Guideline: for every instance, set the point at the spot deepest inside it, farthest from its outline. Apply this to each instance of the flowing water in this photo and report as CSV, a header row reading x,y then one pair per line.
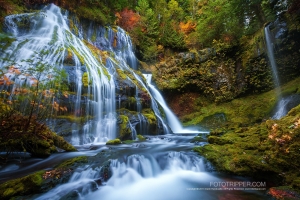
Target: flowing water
x,y
172,120
280,108
162,167
284,104
47,38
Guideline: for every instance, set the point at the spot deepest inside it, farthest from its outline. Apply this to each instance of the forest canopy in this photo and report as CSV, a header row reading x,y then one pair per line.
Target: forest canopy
x,y
174,25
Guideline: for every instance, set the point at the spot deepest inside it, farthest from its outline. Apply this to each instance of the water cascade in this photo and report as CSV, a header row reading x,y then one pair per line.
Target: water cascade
x,y
97,60
173,121
134,174
280,108
119,43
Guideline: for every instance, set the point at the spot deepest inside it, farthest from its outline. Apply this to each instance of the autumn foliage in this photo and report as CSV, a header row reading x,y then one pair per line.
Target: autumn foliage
x,y
187,27
127,19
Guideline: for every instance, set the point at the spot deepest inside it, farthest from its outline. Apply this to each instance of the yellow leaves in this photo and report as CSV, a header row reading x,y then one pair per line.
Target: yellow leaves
x,y
188,27
55,106
286,137
274,127
66,94
15,70
297,123
278,136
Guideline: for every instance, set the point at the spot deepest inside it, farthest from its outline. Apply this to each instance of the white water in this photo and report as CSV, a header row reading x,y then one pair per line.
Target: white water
x,y
49,31
270,50
161,168
139,177
173,121
284,105
281,111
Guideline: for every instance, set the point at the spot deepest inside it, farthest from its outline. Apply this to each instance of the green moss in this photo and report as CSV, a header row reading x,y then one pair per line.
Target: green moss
x,y
149,114
141,138
61,143
92,13
113,142
128,141
71,162
85,79
259,150
75,119
22,186
124,130
241,111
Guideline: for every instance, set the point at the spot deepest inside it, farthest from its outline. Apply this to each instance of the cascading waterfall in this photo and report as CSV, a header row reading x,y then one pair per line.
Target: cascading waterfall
x,y
49,32
92,78
270,49
173,121
280,108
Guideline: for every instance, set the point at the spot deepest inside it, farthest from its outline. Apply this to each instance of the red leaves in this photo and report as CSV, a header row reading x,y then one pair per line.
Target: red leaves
x,y
127,19
282,194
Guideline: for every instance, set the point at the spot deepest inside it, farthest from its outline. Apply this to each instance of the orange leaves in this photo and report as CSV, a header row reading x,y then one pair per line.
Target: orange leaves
x,y
127,19
57,107
4,80
56,173
15,70
279,136
188,27
33,81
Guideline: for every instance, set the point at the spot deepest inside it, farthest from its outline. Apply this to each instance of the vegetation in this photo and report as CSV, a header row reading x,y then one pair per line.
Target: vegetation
x,y
25,108
223,73
40,181
262,150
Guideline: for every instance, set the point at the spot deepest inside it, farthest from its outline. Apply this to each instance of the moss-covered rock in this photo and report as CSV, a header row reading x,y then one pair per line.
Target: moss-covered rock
x,y
124,129
22,186
40,181
113,142
27,135
141,138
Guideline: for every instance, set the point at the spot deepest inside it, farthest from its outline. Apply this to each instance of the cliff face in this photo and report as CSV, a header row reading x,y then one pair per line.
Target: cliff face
x,y
225,72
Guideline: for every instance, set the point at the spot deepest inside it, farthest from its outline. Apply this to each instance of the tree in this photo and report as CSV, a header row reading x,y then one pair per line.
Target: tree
x,y
28,98
127,19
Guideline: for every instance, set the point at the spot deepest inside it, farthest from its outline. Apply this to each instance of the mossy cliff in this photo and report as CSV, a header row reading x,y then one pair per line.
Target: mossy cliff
x,y
268,150
230,70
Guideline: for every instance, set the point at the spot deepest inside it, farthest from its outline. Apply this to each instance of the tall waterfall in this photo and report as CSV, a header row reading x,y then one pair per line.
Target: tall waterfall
x,y
95,58
173,121
280,108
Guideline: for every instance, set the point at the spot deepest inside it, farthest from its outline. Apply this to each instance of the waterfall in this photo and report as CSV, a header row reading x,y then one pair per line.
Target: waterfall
x,y
49,32
95,58
270,50
173,121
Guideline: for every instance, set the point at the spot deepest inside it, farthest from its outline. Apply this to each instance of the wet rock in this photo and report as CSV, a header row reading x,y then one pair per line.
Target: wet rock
x,y
105,171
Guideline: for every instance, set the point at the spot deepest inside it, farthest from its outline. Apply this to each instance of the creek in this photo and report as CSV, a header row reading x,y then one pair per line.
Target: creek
x,y
162,167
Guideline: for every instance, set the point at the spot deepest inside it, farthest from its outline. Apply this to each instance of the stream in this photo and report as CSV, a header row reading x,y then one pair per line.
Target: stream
x,y
162,167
